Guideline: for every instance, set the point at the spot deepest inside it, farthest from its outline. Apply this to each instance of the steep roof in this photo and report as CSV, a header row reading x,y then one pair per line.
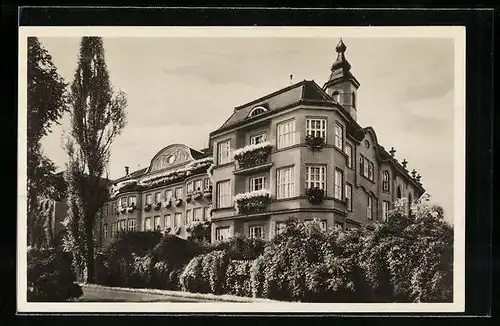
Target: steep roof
x,y
304,90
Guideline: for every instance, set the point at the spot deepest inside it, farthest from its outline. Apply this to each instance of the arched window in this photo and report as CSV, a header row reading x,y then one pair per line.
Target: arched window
x,y
336,96
398,194
256,111
385,181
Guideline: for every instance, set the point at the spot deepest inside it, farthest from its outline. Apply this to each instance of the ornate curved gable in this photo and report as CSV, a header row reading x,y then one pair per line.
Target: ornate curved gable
x,y
171,156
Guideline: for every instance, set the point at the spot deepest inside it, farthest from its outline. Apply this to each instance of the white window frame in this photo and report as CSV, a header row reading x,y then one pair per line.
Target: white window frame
x,y
255,181
149,199
222,236
224,152
279,227
252,231
385,210
147,224
199,216
157,197
178,192
131,224
367,167
114,228
157,218
285,134
189,188
123,202
197,185
206,183
339,186
316,176
385,183
317,127
105,230
348,196
189,217
285,182
167,220
132,200
339,137
206,213
324,225
369,208
224,196
349,152
177,219
168,194
258,138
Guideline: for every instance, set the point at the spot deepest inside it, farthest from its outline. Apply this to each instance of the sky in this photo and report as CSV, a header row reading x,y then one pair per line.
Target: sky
x,y
181,89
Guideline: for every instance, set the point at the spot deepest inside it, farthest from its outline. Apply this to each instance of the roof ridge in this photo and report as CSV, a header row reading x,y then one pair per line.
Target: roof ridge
x,y
271,95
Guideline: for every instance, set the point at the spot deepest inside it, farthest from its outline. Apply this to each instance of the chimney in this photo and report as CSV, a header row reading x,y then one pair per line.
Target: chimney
x,y
126,170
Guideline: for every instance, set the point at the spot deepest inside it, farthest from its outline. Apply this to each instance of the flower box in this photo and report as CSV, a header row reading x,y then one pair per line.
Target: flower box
x,y
315,143
131,207
315,195
123,210
167,203
177,230
188,198
207,194
252,202
147,207
157,205
168,229
253,155
178,202
197,195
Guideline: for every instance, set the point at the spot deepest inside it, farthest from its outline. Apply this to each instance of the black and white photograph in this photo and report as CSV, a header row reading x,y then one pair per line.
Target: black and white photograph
x,y
294,169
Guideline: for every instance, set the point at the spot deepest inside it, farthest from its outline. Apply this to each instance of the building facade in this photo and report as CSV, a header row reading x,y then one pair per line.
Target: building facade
x,y
171,195
300,152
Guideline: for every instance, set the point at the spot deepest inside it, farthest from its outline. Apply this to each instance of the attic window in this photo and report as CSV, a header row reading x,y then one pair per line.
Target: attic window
x,y
257,110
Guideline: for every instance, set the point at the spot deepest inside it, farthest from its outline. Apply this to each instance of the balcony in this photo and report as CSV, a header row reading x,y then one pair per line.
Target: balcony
x,y
253,158
252,202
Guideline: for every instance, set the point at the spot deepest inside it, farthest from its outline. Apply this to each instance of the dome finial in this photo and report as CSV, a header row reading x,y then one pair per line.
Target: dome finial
x,y
341,46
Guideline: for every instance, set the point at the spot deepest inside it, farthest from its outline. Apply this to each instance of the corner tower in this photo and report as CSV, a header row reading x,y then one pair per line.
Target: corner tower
x,y
342,86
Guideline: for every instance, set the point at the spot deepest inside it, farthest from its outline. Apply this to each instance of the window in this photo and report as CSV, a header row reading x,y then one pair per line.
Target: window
x,y
257,183
198,214
168,194
206,213
348,151
123,202
178,193
157,223
336,96
385,210
157,197
113,229
105,230
285,182
147,224
222,233
280,227
148,199
366,167
339,226
385,181
323,225
105,210
189,216
339,184
257,139
206,183
316,127
399,192
285,134
256,111
131,225
197,185
189,188
257,232
223,149
167,221
315,177
178,219
348,197
224,194
339,135
369,206
131,200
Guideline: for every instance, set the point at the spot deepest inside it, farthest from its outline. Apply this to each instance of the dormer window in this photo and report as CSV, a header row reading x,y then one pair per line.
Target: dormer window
x,y
257,110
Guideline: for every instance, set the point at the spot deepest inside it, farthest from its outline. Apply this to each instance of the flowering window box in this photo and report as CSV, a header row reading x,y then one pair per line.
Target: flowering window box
x,y
189,197
123,209
178,202
157,206
167,203
315,143
252,202
253,155
207,193
197,195
147,207
131,207
315,195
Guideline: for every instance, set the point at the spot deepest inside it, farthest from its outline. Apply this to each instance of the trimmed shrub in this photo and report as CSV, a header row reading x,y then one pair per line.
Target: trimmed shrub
x,y
237,280
50,276
190,279
240,247
205,273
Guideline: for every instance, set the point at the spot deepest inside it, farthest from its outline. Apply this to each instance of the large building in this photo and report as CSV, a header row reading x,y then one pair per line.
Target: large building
x,y
298,152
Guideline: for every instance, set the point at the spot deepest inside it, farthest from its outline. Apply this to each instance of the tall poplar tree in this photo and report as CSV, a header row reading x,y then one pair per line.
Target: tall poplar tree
x,y
47,102
97,118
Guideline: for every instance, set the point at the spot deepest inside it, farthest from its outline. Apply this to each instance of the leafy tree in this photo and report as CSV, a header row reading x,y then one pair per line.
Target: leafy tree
x,y
47,102
97,118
